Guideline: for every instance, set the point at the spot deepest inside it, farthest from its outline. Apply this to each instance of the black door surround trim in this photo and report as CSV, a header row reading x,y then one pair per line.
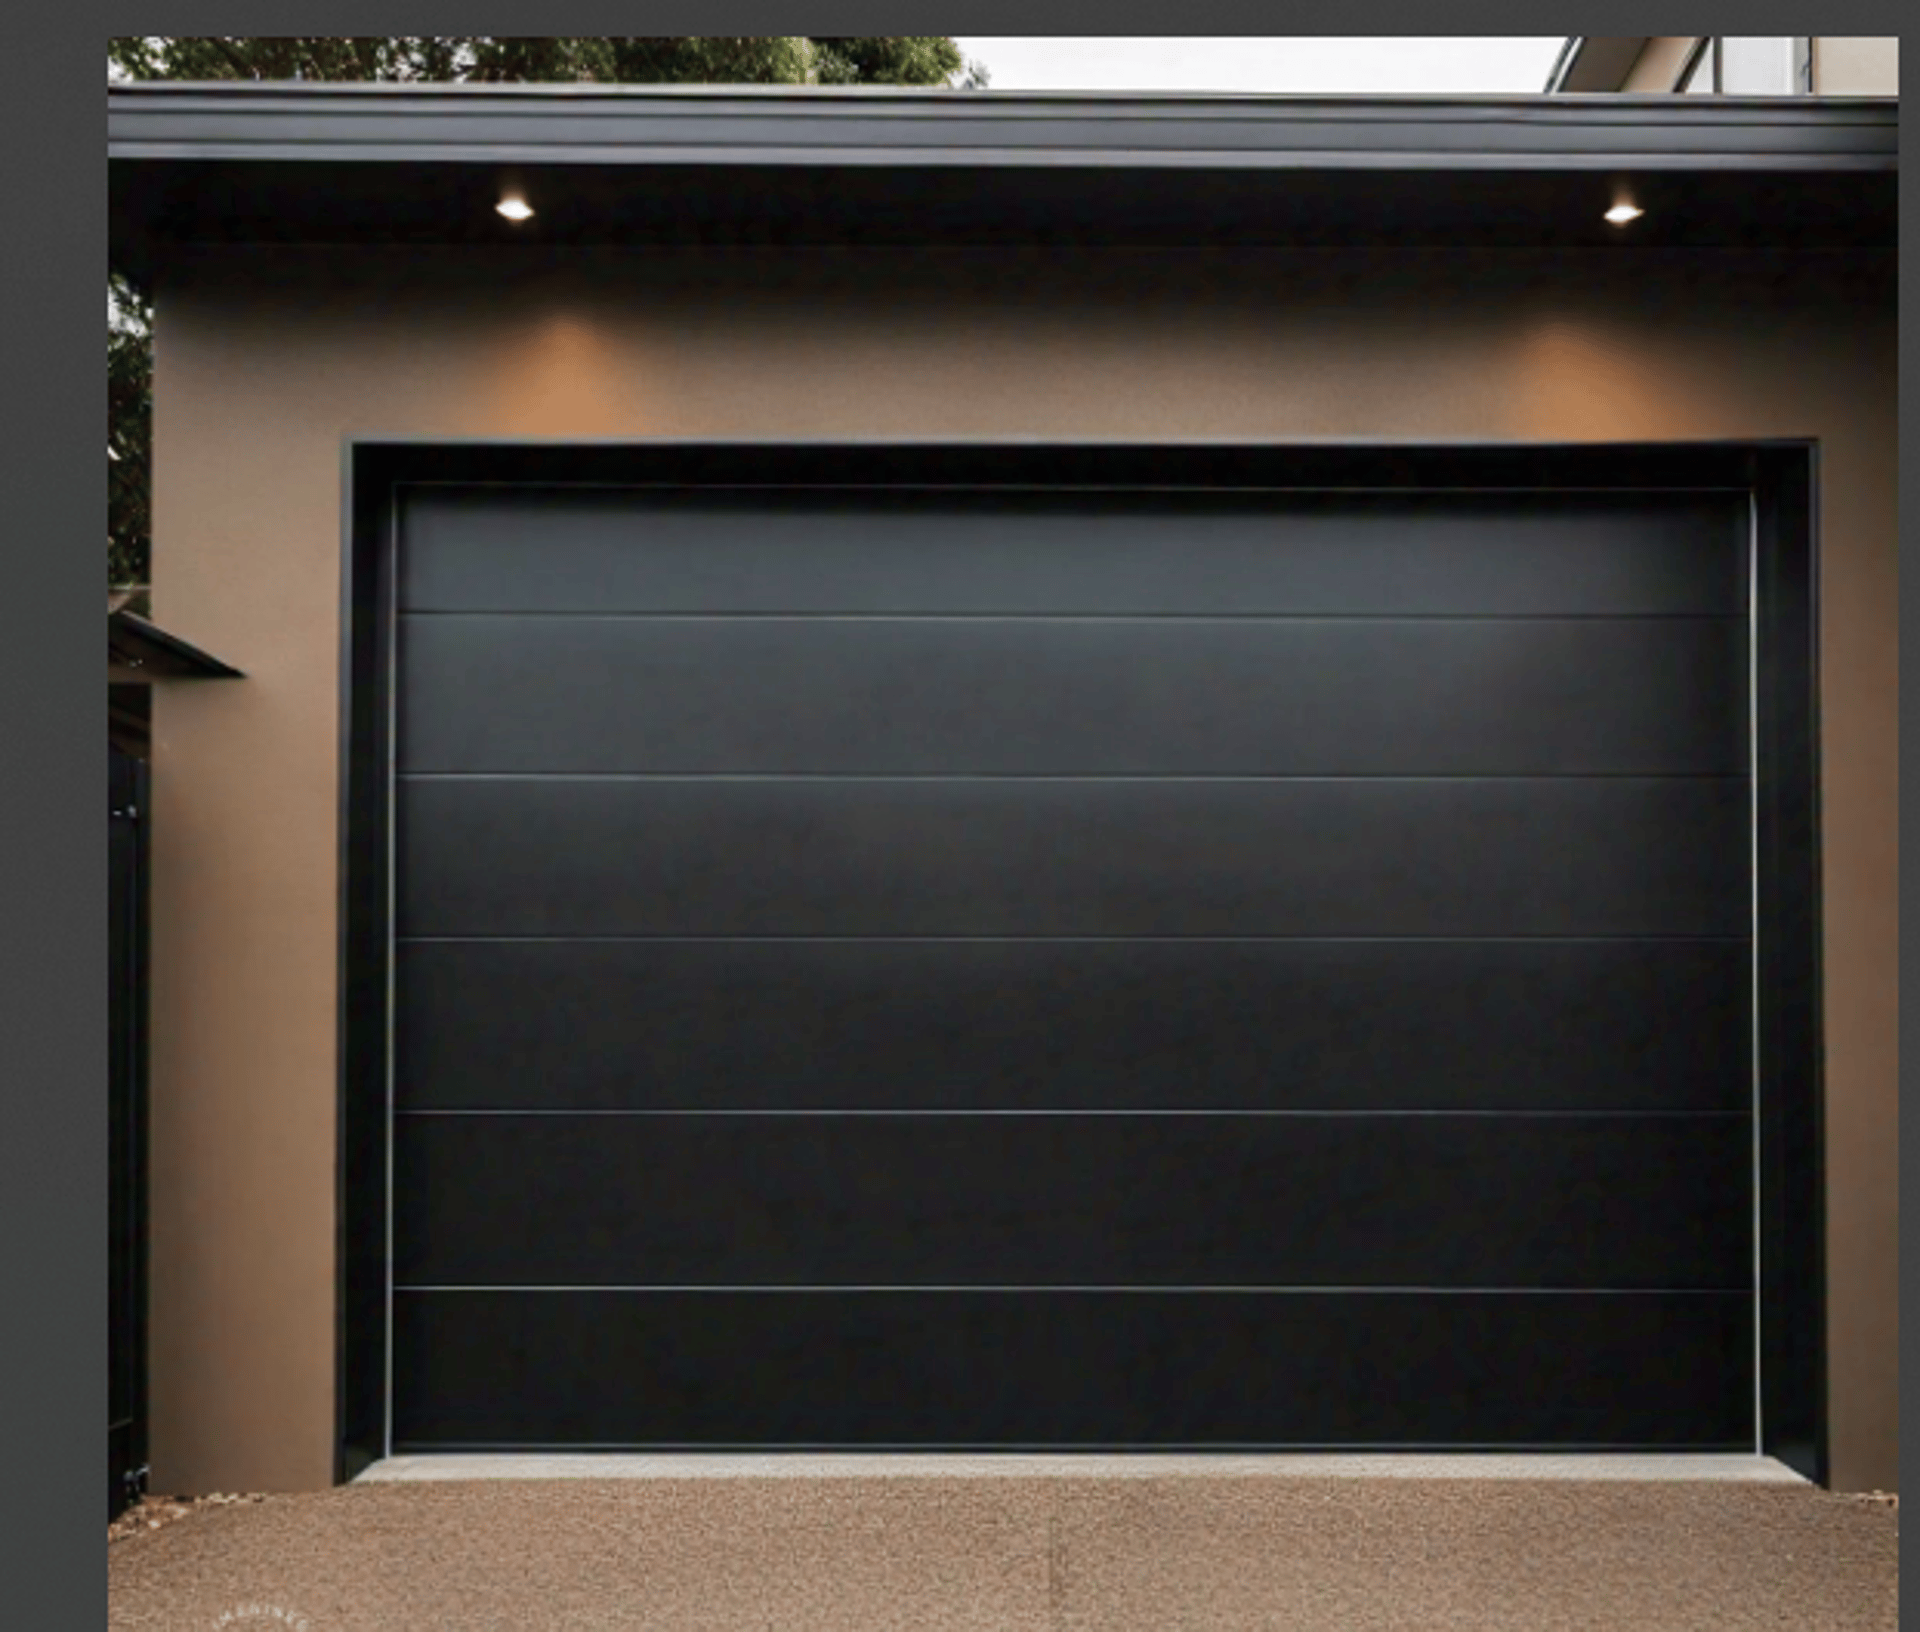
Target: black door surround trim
x,y
1779,475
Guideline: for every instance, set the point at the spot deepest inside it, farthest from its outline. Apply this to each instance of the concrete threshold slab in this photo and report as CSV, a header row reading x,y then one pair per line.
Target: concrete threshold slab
x,y
1734,1466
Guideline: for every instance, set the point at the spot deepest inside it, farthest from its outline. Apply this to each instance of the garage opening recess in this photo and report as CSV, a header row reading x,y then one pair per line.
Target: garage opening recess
x,y
1080,946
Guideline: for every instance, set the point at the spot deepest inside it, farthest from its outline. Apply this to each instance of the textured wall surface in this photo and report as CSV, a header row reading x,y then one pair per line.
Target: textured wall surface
x,y
1658,66
1853,65
267,359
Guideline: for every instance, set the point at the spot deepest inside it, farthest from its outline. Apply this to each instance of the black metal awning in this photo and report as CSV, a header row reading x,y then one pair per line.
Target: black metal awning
x,y
144,650
295,162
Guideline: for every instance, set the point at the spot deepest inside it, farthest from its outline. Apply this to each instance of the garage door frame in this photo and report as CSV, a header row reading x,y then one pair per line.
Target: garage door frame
x,y
1778,476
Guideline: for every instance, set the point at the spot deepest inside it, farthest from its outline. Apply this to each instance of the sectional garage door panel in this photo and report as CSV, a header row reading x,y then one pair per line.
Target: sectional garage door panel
x,y
493,1369
1074,856
1034,1025
1056,696
1551,1201
940,551
1071,967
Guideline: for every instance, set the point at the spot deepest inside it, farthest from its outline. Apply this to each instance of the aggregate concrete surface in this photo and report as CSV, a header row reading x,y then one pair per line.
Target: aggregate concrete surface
x,y
1161,1552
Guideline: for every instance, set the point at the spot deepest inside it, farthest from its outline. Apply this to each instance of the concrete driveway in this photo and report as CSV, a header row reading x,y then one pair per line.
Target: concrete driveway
x,y
1011,1544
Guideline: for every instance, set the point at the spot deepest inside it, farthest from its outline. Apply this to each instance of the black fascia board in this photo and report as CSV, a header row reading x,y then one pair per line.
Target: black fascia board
x,y
601,124
250,162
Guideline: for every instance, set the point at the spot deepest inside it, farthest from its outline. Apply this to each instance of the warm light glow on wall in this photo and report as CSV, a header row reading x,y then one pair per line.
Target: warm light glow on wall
x,y
565,369
514,207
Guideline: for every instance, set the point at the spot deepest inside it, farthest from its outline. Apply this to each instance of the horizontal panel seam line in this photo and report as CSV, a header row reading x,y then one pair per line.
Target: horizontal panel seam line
x,y
1638,1116
1111,450
1143,1448
530,614
1710,938
1129,1290
1059,776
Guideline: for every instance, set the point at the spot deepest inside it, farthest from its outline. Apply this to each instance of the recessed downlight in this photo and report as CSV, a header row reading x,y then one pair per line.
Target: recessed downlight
x,y
514,207
1621,214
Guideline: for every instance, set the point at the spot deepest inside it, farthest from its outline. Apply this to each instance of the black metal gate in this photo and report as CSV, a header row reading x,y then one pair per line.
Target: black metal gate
x,y
127,1125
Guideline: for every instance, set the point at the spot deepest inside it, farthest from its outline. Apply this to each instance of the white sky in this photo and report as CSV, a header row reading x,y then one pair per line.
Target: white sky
x,y
1305,64
1302,64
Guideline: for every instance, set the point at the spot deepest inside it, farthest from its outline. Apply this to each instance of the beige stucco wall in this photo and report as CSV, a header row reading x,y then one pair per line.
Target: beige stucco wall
x,y
1851,65
266,360
1658,66
1843,65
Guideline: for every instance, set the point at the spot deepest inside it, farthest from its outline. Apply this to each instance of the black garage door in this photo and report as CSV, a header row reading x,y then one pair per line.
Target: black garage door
x,y
1027,968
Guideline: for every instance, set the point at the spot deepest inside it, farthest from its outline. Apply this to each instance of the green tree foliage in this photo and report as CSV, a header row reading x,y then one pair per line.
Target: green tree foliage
x,y
647,60
908,60
129,423
887,60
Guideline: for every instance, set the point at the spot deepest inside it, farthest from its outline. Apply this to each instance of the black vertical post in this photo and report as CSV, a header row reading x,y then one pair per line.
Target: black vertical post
x,y
1787,810
127,1125
368,551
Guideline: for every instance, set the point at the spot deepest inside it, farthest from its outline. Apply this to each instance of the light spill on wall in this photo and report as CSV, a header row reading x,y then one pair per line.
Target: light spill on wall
x,y
566,373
